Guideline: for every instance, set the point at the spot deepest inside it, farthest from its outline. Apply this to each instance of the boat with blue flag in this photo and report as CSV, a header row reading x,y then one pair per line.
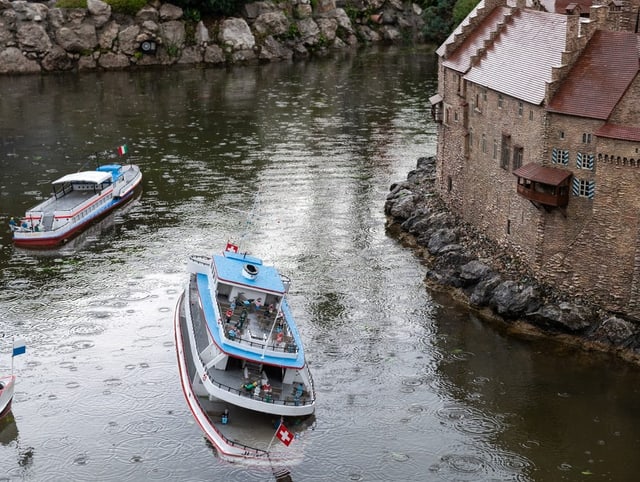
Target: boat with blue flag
x,y
8,382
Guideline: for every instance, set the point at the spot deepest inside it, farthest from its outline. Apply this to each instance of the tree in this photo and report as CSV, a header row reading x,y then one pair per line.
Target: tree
x,y
461,9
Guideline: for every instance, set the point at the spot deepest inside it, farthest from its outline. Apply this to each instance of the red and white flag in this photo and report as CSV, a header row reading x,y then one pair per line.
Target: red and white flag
x,y
283,433
231,247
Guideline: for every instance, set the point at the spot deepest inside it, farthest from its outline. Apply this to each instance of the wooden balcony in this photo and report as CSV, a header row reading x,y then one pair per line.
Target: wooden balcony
x,y
547,186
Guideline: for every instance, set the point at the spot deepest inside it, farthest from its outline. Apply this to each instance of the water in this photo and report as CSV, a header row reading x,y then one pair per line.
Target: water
x,y
410,386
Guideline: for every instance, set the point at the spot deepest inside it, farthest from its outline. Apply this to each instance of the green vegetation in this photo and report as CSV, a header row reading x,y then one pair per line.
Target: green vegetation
x,y
127,7
442,16
461,9
192,15
173,50
71,4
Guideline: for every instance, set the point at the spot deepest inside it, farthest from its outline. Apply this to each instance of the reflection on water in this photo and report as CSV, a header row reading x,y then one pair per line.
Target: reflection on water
x,y
408,388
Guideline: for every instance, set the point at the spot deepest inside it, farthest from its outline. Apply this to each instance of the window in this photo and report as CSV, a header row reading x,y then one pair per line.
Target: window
x,y
508,226
531,115
505,151
495,149
561,134
500,101
484,144
520,109
449,183
484,94
583,188
560,156
585,161
517,157
586,138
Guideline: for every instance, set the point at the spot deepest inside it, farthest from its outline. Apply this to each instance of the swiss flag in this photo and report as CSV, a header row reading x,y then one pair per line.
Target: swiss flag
x,y
231,247
284,435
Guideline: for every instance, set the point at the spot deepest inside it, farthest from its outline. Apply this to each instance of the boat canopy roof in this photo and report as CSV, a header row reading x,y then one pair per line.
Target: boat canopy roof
x,y
95,177
229,268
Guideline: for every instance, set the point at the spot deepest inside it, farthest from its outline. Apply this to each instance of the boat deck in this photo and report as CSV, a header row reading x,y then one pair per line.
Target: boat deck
x,y
68,202
255,326
248,380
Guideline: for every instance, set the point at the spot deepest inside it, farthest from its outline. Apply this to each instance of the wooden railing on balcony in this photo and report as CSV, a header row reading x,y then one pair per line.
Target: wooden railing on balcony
x,y
556,197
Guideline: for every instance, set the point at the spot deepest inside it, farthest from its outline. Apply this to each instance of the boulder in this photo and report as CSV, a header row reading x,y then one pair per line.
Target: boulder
x,y
236,34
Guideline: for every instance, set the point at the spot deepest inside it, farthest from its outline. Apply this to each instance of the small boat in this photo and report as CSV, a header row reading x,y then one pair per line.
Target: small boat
x,y
78,200
241,359
7,384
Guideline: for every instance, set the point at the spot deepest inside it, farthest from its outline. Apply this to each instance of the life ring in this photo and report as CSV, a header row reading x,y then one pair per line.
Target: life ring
x,y
146,46
279,337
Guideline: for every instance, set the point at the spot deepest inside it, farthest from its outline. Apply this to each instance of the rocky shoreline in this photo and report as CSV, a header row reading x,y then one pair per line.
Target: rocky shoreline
x,y
490,281
38,37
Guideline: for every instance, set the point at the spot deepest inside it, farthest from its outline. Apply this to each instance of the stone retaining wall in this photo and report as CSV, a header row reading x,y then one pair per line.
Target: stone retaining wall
x,y
38,37
488,279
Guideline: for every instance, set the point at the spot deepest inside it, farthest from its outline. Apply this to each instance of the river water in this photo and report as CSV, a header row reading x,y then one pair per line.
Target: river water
x,y
410,386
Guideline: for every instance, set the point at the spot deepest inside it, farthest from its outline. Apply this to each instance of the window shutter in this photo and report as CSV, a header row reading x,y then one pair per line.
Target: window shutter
x,y
575,187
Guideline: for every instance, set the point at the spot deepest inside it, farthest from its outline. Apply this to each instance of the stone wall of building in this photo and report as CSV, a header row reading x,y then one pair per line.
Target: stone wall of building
x,y
38,37
589,249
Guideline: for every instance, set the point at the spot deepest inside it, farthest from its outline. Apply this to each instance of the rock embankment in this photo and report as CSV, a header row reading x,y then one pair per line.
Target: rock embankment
x,y
489,280
39,37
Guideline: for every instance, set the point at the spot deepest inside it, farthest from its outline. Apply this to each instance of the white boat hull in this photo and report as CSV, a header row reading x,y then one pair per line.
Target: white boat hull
x,y
7,385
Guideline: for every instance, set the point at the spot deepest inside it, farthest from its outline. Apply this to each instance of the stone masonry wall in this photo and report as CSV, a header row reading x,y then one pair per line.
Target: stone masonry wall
x,y
38,37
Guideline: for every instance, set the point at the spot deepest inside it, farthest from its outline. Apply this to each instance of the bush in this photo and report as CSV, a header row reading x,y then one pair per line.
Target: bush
x,y
71,4
127,7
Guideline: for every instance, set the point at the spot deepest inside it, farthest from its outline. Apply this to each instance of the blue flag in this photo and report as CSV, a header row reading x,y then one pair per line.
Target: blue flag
x,y
19,347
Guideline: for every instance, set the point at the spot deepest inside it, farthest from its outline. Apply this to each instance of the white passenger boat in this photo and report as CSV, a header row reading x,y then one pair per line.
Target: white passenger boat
x,y
78,200
241,358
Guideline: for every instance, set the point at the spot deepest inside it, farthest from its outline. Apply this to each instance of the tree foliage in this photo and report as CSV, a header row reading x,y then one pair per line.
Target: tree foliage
x,y
461,9
443,16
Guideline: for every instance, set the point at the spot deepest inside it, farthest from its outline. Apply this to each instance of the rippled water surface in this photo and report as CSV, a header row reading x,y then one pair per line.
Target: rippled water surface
x,y
410,386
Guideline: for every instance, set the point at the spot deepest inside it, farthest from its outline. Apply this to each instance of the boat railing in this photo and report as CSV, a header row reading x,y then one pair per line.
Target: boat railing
x,y
312,386
244,340
202,259
267,398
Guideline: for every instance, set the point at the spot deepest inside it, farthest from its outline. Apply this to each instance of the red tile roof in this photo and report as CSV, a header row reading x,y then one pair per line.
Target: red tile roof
x,y
600,76
627,133
519,61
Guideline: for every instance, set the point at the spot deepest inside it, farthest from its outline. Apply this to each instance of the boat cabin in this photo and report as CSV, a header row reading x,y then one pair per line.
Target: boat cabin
x,y
91,181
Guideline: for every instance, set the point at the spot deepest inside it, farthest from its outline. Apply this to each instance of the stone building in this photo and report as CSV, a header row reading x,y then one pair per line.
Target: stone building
x,y
539,140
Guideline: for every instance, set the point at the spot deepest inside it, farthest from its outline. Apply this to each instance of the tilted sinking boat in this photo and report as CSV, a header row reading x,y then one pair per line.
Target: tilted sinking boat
x,y
78,200
241,358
